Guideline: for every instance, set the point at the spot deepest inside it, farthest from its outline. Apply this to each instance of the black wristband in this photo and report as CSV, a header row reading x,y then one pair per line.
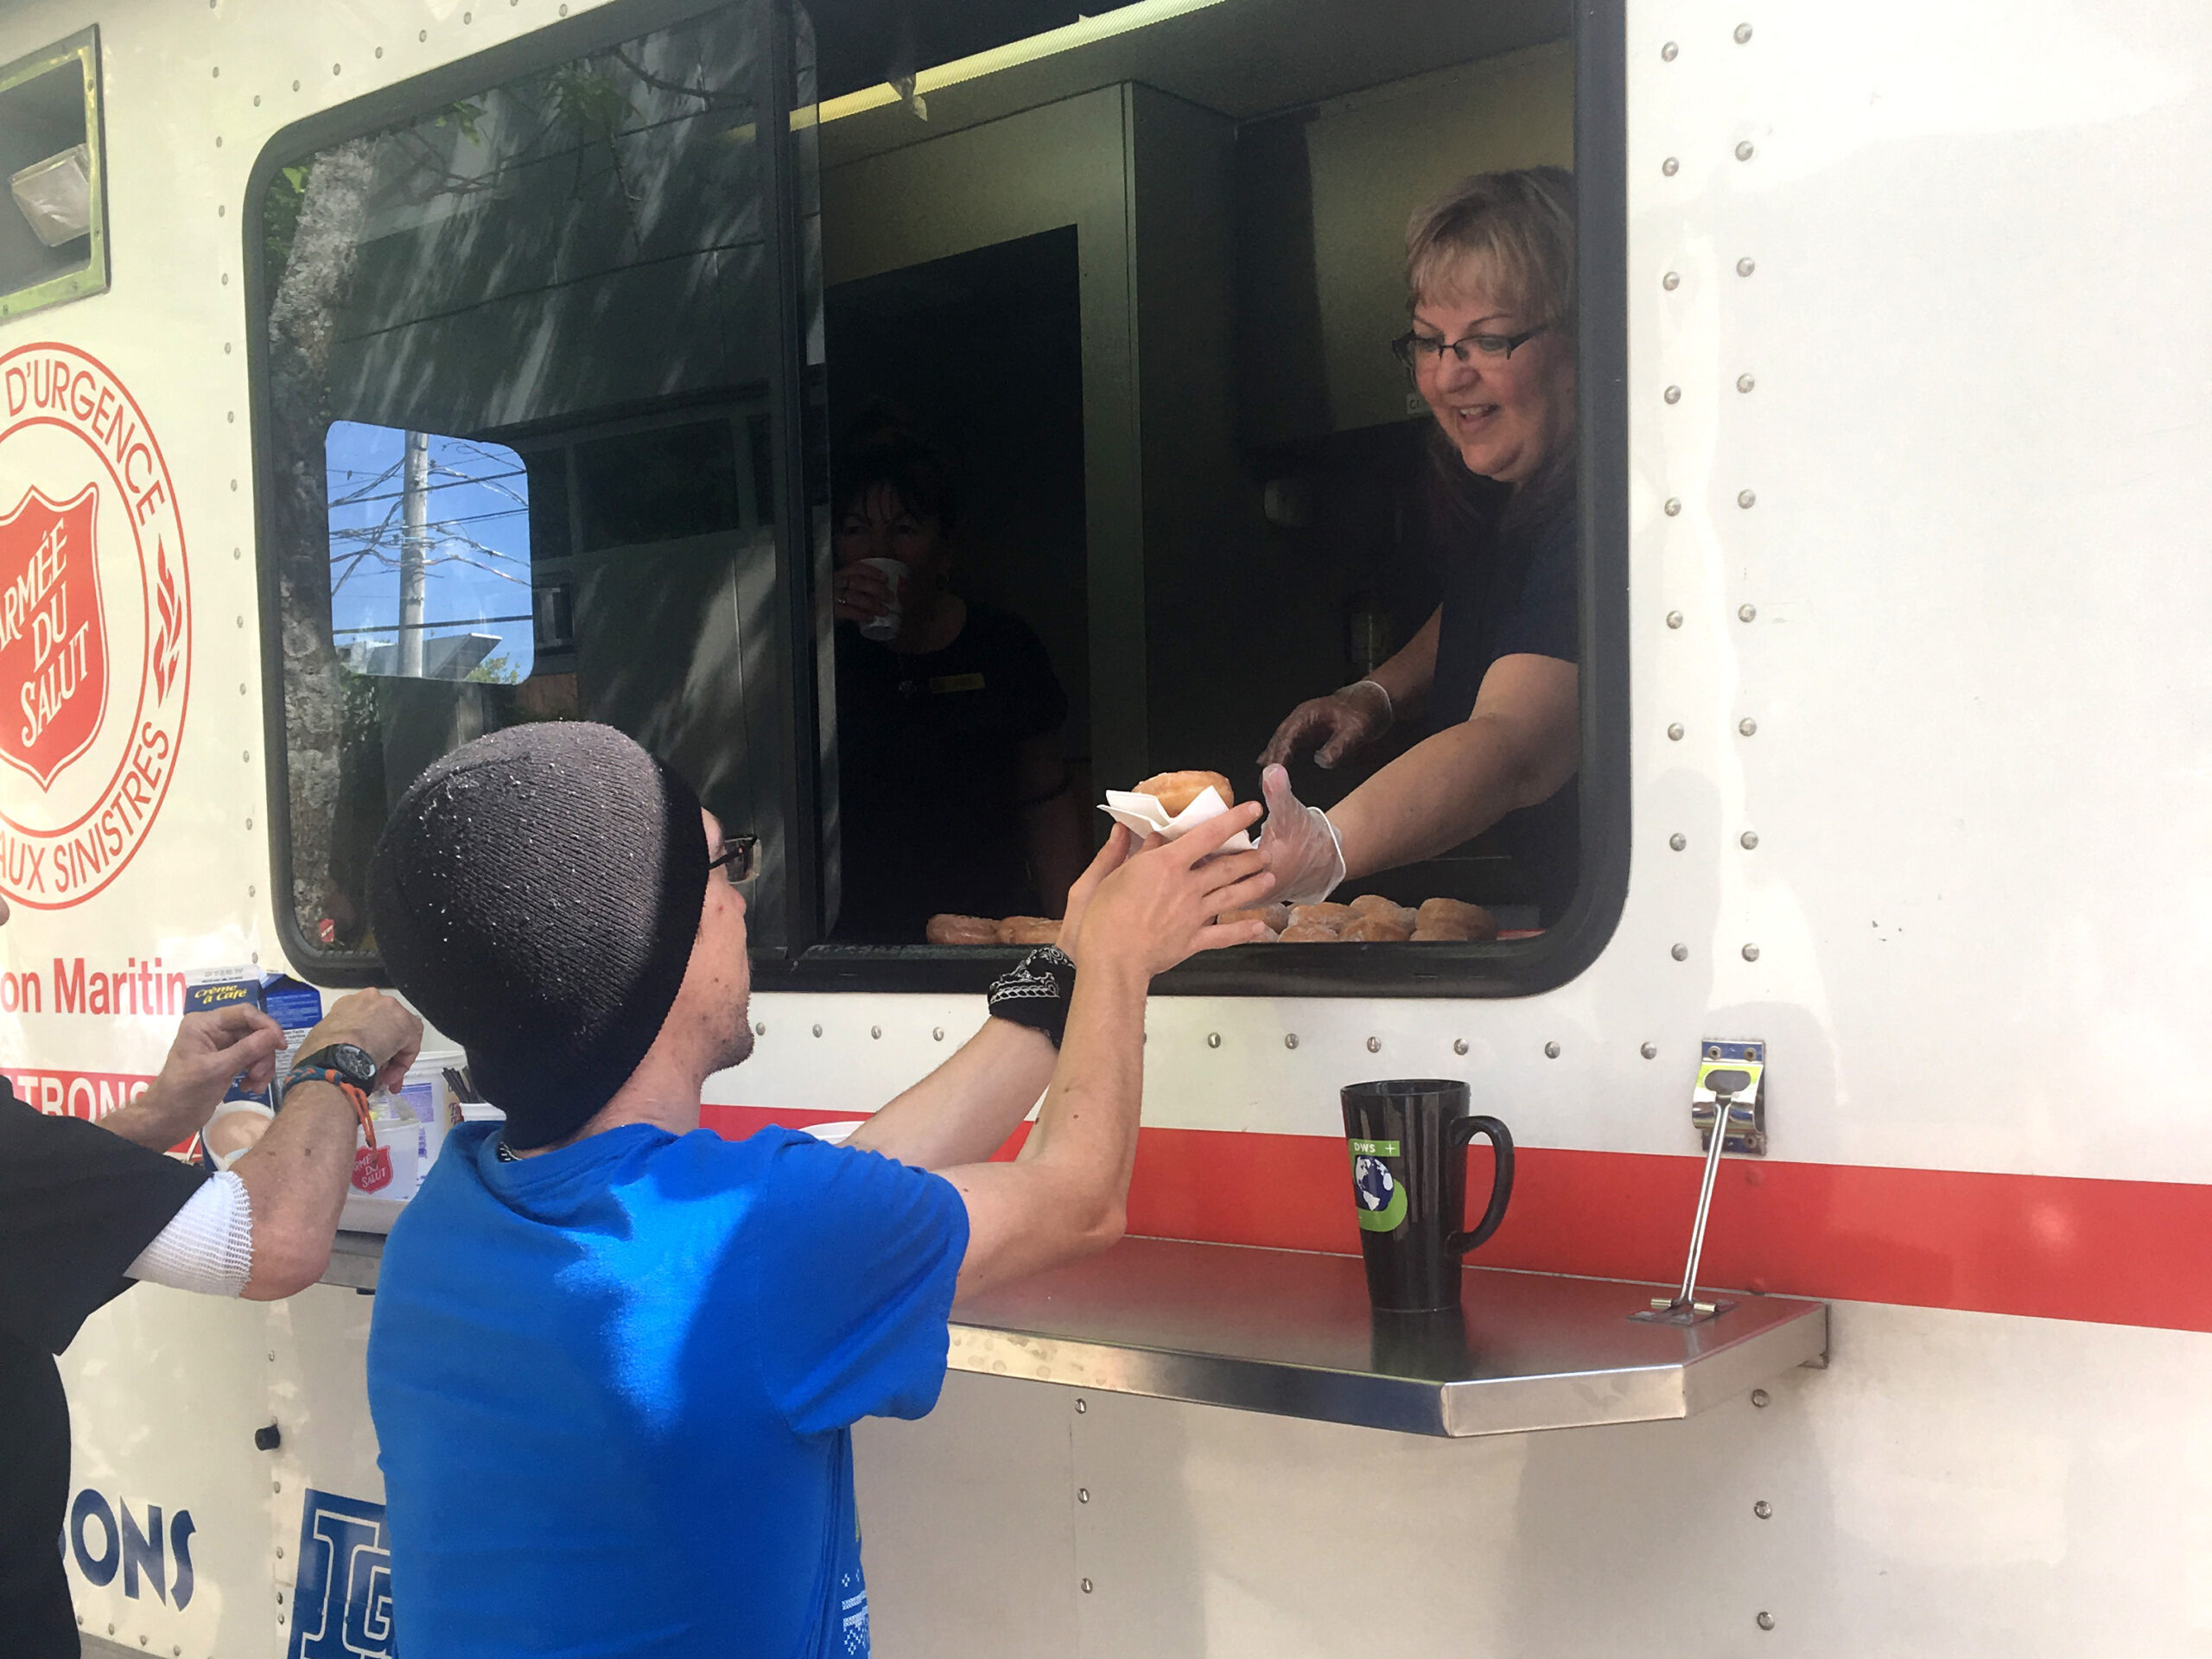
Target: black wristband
x,y
1035,992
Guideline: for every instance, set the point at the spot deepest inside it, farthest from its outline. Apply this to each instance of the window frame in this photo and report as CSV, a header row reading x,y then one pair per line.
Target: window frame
x,y
82,48
1496,969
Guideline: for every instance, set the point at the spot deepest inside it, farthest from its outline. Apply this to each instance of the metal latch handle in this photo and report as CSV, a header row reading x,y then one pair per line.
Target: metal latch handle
x,y
1734,1074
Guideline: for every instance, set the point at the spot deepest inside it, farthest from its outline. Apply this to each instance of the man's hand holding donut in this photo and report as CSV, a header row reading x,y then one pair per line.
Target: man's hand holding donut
x,y
1150,907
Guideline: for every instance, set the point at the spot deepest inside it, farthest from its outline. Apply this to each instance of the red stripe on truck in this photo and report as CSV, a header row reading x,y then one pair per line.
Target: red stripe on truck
x,y
2046,1246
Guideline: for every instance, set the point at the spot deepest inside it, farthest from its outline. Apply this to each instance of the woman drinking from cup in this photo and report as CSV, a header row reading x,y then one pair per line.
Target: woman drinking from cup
x,y
953,793
1490,274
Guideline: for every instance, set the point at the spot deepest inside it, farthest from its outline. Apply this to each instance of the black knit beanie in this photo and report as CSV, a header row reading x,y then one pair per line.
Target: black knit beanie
x,y
536,894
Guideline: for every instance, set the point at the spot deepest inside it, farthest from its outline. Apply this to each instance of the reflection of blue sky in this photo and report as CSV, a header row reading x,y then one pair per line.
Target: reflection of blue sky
x,y
477,574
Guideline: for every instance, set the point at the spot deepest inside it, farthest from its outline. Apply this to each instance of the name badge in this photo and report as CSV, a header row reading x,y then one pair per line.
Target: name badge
x,y
944,682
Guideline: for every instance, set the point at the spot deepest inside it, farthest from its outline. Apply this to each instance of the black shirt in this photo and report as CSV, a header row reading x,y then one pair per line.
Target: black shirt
x,y
930,791
77,1206
1510,573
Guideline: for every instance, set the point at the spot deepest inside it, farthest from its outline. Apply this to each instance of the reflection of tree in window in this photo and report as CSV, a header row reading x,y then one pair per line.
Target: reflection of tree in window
x,y
455,273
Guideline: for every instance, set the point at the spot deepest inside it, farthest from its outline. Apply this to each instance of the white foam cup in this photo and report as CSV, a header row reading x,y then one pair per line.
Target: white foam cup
x,y
886,626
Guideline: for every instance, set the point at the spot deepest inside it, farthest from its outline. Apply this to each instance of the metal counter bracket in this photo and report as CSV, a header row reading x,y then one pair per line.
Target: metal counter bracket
x,y
1728,1106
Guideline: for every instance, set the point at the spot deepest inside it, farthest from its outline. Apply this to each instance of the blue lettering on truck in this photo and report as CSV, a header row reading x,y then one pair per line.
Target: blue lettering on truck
x,y
342,1604
154,1560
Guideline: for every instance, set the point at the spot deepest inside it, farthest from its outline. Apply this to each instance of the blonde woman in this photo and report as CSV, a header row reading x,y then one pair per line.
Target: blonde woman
x,y
1490,274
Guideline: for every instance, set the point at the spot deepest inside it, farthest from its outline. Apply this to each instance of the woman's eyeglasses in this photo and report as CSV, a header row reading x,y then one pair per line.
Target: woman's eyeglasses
x,y
739,860
1418,350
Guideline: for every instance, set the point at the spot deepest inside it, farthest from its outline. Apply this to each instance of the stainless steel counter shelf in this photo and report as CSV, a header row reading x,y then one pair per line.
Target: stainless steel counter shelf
x,y
1291,1334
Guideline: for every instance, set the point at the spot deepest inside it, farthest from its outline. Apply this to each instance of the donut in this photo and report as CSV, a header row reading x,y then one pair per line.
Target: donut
x,y
1029,929
1453,912
1387,910
1332,917
1374,930
1277,917
1441,933
1176,790
961,930
1307,933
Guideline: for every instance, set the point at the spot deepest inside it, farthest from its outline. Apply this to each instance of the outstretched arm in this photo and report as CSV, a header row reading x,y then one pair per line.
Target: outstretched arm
x,y
964,1111
1065,1197
1518,747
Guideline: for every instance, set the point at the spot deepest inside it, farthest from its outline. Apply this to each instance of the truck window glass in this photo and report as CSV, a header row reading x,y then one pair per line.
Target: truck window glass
x,y
515,359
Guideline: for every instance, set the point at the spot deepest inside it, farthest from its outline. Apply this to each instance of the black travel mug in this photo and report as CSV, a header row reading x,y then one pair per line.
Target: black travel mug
x,y
1408,1140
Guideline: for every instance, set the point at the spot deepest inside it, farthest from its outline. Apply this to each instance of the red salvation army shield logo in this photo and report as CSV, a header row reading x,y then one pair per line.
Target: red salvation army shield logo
x,y
95,626
52,648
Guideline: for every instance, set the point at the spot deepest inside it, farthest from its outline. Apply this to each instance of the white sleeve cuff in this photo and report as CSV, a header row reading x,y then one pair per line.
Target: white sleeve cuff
x,y
208,1245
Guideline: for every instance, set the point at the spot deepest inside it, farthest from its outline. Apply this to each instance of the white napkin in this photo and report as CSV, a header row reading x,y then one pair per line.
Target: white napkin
x,y
1143,815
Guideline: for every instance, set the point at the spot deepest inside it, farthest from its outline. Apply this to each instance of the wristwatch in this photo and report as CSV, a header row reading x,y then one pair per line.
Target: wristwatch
x,y
350,1068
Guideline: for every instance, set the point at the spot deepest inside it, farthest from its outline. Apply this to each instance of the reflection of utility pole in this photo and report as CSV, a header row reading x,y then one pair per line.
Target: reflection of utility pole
x,y
415,518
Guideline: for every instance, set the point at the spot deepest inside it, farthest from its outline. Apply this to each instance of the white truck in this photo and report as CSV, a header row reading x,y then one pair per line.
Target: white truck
x,y
376,373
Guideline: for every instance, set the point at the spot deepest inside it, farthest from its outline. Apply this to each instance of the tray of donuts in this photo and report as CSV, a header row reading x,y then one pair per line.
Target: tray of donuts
x,y
1372,919
986,929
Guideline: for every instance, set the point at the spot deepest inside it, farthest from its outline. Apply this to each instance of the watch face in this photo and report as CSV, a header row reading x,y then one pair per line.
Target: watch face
x,y
355,1064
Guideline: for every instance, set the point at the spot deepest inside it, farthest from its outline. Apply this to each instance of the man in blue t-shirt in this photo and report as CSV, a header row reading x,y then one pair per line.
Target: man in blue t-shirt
x,y
614,1359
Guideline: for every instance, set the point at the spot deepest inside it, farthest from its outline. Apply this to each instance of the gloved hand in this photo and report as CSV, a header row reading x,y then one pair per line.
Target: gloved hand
x,y
1299,844
1339,723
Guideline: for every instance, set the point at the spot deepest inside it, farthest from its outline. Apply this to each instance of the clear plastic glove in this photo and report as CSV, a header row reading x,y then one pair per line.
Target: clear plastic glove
x,y
1301,846
1333,727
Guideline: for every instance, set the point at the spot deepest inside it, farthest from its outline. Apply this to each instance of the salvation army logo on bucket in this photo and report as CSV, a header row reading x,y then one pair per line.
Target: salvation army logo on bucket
x,y
95,626
371,1169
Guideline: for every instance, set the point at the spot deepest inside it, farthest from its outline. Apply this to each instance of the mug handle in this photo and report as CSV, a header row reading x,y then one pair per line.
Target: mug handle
x,y
1464,1130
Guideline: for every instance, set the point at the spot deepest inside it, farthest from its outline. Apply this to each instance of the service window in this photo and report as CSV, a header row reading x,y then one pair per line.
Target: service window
x,y
1142,462
1022,406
